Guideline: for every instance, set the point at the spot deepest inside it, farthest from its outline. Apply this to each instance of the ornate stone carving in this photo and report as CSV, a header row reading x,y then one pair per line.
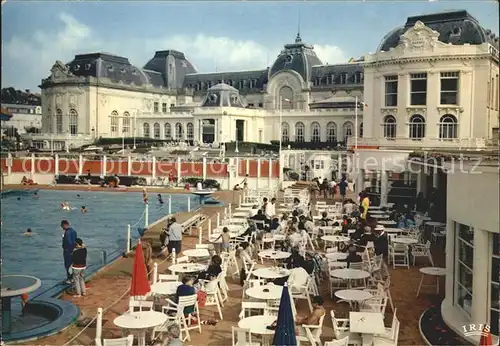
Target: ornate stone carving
x,y
59,100
103,99
73,100
60,72
419,38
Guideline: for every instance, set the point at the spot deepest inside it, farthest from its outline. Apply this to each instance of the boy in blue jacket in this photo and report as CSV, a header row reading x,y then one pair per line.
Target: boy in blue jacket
x,y
68,245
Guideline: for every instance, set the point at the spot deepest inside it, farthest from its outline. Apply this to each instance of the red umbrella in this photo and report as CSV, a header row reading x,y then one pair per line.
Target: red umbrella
x,y
485,338
140,283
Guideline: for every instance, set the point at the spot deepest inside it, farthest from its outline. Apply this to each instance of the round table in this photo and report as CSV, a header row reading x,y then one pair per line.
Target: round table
x,y
197,253
140,321
247,204
375,212
431,271
380,216
235,221
326,229
335,238
274,255
387,223
265,292
355,296
258,324
165,288
394,230
187,268
240,214
231,228
405,240
271,273
335,256
14,286
350,274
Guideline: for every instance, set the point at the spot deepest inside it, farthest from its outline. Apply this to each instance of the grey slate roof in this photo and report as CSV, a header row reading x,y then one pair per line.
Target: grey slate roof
x,y
173,67
222,95
455,27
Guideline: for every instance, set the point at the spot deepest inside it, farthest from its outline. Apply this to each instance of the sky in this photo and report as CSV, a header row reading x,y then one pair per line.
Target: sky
x,y
215,36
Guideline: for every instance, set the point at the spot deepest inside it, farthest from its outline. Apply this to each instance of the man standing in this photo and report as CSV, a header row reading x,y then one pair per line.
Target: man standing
x,y
174,236
68,244
270,210
343,186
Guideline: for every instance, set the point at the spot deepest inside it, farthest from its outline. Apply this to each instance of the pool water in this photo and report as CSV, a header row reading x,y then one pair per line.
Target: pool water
x,y
103,228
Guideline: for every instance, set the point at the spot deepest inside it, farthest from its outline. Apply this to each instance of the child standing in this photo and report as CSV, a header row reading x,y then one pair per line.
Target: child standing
x,y
79,263
226,239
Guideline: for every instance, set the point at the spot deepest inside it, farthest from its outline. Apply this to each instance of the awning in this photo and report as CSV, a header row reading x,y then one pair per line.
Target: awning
x,y
5,115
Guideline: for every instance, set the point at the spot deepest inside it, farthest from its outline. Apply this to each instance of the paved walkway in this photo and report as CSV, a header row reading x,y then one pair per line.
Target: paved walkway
x,y
112,283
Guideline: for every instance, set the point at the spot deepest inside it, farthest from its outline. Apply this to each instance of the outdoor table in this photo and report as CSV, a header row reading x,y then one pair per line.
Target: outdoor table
x,y
434,225
350,274
243,209
279,237
258,324
394,230
265,292
14,286
165,288
335,256
140,321
197,253
187,268
380,216
271,273
240,215
405,240
376,212
335,238
375,207
387,223
274,255
432,271
367,324
231,228
248,204
235,221
330,229
355,296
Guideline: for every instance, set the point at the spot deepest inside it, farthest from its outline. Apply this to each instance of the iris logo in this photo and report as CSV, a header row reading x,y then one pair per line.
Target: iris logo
x,y
476,330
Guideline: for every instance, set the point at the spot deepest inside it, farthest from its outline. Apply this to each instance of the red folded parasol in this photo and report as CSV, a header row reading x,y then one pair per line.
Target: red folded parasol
x,y
140,283
485,338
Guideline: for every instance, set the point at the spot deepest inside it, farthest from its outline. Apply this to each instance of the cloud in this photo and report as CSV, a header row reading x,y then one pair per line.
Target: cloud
x,y
26,60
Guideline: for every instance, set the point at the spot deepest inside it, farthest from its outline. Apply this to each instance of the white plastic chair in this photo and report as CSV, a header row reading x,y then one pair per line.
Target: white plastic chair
x,y
247,308
341,330
341,342
167,277
242,337
311,333
422,250
125,341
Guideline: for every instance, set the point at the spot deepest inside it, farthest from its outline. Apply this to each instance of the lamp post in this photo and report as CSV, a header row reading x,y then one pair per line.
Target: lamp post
x,y
135,123
236,150
280,176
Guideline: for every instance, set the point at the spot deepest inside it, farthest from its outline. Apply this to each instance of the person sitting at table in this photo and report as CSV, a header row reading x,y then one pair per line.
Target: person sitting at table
x,y
294,260
325,220
186,289
349,207
260,219
253,211
308,263
213,270
298,277
296,204
243,251
352,256
251,228
275,226
314,317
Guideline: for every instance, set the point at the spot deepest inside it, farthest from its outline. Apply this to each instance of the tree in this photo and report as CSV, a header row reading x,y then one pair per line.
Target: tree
x,y
32,129
11,132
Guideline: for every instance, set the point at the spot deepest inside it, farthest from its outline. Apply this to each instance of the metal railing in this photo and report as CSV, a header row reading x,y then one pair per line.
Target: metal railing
x,y
424,143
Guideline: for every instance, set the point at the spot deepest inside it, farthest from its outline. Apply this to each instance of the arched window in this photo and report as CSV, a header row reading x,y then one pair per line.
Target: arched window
x,y
448,127
417,127
331,132
389,127
59,121
168,131
190,131
73,122
299,132
315,132
126,123
347,130
145,130
156,131
285,132
361,130
179,134
113,121
286,97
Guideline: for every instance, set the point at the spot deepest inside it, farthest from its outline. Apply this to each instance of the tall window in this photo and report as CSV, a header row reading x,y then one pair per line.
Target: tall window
x,y
190,131
417,127
418,95
361,130
389,127
331,132
168,131
449,88
391,91
156,107
164,107
495,285
347,130
285,132
113,121
299,132
59,121
145,130
126,123
463,274
179,132
73,122
156,131
315,132
286,97
448,127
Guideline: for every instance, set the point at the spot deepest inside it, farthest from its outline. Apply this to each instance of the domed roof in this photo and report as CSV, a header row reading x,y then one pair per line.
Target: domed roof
x,y
173,67
455,27
299,57
222,95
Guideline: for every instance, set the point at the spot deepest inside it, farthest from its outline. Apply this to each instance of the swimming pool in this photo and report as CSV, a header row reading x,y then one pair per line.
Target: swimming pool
x,y
103,229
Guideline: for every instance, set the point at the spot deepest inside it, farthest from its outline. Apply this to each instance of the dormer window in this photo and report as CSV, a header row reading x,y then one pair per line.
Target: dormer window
x,y
77,67
87,67
358,77
234,99
253,83
229,82
331,79
199,86
209,84
343,78
212,98
317,81
134,71
110,68
122,70
220,81
241,84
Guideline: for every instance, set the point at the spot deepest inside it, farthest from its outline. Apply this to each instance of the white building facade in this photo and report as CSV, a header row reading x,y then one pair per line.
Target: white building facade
x,y
23,117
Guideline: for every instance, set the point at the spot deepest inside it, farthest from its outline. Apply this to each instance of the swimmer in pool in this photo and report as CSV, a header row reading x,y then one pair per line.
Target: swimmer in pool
x,y
83,209
18,198
28,232
160,199
144,196
65,205
78,196
35,195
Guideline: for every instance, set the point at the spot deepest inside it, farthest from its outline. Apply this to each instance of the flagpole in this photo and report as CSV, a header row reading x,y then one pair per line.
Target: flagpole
x,y
356,125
